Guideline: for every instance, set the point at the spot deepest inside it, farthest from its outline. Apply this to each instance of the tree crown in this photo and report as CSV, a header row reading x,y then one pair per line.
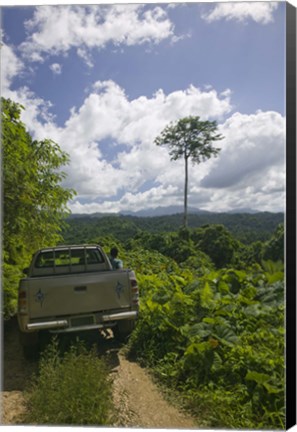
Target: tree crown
x,y
190,137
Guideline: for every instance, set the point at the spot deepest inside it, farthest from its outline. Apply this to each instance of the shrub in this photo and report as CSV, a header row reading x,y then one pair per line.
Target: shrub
x,y
218,339
11,277
73,389
274,248
217,242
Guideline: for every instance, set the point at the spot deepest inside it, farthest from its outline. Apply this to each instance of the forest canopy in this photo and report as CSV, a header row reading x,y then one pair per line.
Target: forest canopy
x,y
34,202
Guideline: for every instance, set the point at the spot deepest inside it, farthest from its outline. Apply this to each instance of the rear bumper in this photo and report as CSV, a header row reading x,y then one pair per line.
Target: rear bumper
x,y
120,316
66,325
47,325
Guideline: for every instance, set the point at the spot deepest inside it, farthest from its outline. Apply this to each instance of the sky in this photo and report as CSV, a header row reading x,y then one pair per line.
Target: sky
x,y
104,80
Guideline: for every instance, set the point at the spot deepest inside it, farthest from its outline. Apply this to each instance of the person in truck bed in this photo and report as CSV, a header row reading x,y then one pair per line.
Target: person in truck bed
x,y
115,261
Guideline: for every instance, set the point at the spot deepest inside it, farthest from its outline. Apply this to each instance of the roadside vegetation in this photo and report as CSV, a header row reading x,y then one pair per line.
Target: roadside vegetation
x,y
71,388
211,324
34,202
218,340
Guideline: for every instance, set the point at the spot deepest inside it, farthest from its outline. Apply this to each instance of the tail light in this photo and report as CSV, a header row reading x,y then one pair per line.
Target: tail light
x,y
134,290
22,302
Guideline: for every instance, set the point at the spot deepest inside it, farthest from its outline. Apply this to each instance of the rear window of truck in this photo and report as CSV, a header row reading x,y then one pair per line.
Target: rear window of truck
x,y
68,257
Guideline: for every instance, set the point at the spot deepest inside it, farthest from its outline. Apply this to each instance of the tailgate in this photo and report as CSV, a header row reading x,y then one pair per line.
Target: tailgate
x,y
80,293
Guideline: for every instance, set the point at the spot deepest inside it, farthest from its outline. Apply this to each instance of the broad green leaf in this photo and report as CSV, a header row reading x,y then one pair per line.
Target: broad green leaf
x,y
206,295
259,378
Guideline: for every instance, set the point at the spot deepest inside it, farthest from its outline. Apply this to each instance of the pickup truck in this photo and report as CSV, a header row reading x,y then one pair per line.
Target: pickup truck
x,y
73,288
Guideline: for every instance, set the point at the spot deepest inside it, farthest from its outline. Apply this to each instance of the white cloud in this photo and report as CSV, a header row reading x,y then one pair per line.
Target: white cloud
x,y
116,166
37,110
260,12
56,29
252,144
11,67
56,68
108,114
36,115
251,196
152,198
249,173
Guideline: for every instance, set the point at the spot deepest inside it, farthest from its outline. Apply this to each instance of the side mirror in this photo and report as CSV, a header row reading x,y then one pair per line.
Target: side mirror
x,y
26,270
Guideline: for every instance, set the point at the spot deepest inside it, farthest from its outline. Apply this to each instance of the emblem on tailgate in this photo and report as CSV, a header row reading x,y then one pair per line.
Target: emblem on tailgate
x,y
119,289
39,297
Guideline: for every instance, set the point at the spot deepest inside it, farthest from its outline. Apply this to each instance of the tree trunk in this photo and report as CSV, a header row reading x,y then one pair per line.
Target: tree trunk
x,y
186,194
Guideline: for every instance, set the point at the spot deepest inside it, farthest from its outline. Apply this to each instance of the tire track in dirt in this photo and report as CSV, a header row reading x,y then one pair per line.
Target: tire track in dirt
x,y
16,374
138,401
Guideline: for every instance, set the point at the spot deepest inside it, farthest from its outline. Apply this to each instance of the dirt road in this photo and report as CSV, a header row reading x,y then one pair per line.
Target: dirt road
x,y
137,400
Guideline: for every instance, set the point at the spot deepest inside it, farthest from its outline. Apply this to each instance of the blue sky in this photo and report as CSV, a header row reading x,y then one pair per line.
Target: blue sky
x,y
104,80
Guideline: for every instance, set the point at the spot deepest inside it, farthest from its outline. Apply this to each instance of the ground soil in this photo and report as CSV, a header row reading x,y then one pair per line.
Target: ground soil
x,y
137,399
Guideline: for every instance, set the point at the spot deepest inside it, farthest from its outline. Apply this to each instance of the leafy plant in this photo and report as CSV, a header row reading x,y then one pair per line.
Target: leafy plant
x,y
219,340
34,202
73,389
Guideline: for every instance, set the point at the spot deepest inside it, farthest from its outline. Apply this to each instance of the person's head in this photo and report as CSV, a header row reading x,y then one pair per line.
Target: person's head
x,y
114,252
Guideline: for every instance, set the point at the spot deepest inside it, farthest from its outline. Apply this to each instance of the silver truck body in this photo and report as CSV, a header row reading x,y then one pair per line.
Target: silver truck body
x,y
73,288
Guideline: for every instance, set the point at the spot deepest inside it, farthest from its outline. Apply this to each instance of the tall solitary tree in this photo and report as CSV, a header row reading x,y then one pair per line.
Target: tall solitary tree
x,y
190,138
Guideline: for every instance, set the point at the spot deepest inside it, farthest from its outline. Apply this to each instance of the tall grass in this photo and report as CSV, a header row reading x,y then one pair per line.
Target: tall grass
x,y
70,389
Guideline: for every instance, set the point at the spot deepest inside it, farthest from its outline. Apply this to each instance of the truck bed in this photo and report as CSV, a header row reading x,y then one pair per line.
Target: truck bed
x,y
62,295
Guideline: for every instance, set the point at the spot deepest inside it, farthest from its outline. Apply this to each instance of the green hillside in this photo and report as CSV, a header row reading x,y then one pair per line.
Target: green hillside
x,y
245,227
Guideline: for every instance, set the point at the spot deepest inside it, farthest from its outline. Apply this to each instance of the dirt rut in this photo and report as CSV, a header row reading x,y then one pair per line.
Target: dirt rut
x,y
138,401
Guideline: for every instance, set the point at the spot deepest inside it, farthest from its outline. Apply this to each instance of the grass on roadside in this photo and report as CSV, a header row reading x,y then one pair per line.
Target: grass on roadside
x,y
70,389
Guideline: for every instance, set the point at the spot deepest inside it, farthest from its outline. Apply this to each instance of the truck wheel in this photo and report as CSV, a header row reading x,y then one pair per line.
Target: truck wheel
x,y
31,352
30,345
123,330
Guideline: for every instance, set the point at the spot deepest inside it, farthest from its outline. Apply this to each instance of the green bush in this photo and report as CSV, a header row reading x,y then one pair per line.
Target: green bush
x,y
11,278
274,248
219,340
73,389
217,242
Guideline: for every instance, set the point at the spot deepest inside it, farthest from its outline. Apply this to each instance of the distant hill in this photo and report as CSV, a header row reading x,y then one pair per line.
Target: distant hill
x,y
163,211
246,227
243,210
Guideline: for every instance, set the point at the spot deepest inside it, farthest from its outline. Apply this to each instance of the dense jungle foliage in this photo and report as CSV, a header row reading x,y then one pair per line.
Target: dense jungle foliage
x,y
211,324
34,202
246,227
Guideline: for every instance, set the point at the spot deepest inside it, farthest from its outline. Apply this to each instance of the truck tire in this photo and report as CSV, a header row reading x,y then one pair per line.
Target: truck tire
x,y
30,345
30,352
123,330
